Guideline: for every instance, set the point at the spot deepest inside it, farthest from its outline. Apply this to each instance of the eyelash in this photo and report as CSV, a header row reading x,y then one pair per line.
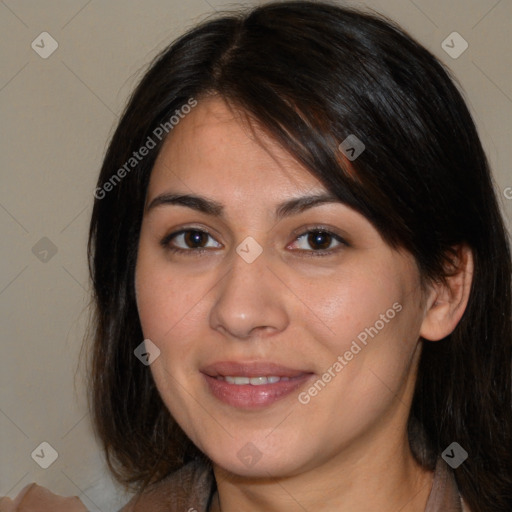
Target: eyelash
x,y
165,242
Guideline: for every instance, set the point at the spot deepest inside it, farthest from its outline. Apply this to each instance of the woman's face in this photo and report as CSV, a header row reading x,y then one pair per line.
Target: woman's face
x,y
310,294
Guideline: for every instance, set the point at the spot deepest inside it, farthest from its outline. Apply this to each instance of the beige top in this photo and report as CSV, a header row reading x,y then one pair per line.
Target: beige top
x,y
193,486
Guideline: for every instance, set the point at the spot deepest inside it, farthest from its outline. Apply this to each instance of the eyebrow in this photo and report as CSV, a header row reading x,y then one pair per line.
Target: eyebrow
x,y
211,207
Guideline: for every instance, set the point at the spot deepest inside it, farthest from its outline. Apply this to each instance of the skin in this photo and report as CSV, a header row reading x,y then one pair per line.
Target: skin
x,y
298,311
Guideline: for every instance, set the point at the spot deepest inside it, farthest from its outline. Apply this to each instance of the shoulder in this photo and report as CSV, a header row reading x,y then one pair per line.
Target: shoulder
x,y
188,488
34,495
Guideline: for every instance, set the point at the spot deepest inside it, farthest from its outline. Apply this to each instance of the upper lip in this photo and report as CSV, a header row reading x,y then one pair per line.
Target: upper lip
x,y
250,369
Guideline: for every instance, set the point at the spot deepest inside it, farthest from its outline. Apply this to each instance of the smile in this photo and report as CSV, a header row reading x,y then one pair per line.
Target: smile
x,y
252,385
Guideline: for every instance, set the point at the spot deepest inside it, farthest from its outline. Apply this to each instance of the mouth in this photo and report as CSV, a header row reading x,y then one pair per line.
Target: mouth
x,y
253,381
250,385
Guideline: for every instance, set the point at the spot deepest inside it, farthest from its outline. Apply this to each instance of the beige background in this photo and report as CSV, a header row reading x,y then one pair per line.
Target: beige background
x,y
57,115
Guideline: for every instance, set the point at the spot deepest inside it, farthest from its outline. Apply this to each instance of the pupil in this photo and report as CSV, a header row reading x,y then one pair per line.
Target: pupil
x,y
316,239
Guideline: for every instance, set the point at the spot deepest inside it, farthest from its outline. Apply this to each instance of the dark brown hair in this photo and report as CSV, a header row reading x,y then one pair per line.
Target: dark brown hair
x,y
310,74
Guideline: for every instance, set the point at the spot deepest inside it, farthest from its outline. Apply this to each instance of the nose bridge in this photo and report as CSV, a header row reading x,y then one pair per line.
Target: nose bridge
x,y
249,296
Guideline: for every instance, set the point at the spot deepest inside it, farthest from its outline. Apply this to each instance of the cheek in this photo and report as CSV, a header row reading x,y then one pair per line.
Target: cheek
x,y
350,305
372,337
166,301
367,381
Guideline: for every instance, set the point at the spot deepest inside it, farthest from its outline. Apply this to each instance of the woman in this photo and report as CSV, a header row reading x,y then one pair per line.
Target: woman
x,y
302,278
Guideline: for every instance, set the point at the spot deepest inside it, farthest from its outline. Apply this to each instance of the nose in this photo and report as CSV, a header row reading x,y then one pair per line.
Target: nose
x,y
250,300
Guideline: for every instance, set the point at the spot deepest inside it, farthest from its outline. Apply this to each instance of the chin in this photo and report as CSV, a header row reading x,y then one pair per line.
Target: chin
x,y
251,462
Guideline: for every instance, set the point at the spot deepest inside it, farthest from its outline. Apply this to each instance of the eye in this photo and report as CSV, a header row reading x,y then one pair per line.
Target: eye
x,y
194,240
321,240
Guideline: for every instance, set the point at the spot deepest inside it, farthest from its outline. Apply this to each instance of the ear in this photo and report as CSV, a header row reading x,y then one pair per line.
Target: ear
x,y
447,301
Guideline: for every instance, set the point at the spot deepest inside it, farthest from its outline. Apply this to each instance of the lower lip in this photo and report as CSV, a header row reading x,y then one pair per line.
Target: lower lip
x,y
248,396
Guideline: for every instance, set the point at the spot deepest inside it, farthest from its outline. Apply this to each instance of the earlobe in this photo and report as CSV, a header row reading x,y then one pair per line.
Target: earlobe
x,y
448,299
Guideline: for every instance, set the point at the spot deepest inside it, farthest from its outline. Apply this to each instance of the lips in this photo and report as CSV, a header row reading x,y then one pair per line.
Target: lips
x,y
250,385
247,369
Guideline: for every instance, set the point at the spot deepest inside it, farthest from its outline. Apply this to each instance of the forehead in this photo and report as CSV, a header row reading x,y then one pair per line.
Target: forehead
x,y
214,149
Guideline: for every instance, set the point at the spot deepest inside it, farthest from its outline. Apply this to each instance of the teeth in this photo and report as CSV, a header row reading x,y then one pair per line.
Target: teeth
x,y
258,381
255,381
